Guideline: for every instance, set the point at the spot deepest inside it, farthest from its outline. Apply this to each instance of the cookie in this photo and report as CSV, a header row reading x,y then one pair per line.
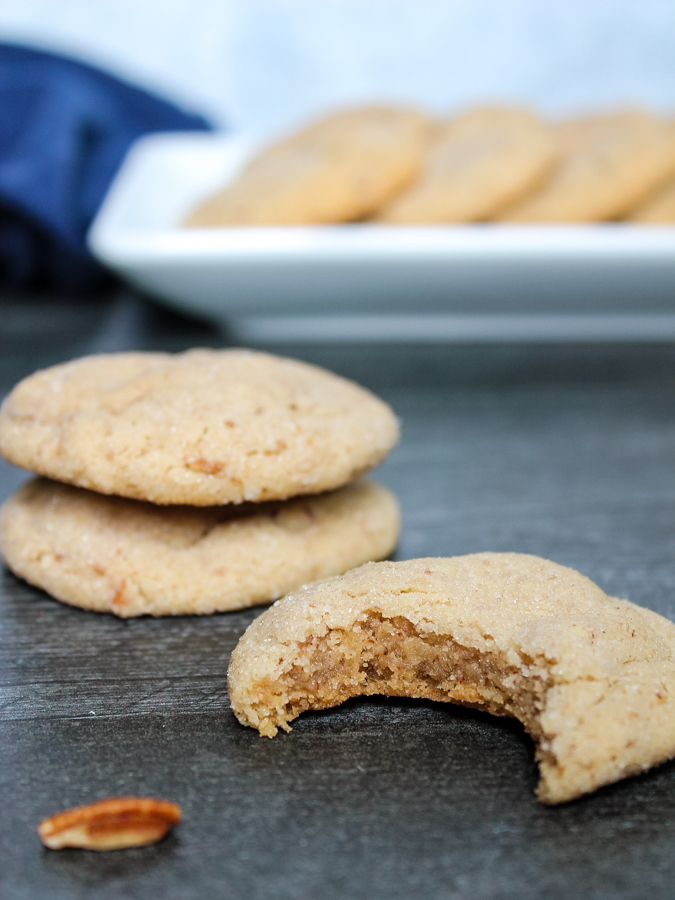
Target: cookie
x,y
110,554
478,163
609,164
341,168
200,428
591,678
658,208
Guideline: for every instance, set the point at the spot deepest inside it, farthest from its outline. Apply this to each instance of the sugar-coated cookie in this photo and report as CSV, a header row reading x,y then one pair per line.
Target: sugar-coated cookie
x,y
609,164
592,678
340,168
110,554
478,163
201,428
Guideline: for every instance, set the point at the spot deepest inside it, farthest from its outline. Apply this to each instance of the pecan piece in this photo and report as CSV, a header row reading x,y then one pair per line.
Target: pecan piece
x,y
110,824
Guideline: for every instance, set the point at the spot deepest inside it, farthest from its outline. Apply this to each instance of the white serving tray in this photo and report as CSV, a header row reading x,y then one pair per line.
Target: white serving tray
x,y
610,282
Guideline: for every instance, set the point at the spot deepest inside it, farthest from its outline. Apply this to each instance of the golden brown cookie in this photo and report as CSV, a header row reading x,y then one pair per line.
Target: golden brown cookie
x,y
592,678
478,163
342,168
202,428
609,164
110,554
658,208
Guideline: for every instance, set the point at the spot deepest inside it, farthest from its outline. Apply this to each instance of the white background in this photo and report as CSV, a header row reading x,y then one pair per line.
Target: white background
x,y
262,65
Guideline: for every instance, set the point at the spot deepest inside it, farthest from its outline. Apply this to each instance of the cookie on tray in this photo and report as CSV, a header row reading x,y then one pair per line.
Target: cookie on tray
x,y
592,678
609,164
658,208
478,163
339,169
110,554
200,428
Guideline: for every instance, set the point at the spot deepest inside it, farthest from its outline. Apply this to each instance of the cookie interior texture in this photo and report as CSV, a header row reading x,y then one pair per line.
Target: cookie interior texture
x,y
110,554
339,169
201,428
478,163
592,678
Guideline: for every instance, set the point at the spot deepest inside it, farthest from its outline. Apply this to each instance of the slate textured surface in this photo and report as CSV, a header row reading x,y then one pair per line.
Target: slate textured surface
x,y
561,451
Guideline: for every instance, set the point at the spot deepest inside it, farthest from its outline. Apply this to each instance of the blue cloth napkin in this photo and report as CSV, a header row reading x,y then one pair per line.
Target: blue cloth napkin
x,y
64,130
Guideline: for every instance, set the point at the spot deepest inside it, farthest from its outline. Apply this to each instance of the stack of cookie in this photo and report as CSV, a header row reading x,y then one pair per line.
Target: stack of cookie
x,y
192,483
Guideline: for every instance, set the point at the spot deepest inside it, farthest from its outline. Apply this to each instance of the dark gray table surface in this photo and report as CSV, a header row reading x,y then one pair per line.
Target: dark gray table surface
x,y
563,451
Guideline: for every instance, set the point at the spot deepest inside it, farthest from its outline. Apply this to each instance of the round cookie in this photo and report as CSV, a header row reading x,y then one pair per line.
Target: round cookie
x,y
609,164
478,163
592,678
201,428
130,558
341,168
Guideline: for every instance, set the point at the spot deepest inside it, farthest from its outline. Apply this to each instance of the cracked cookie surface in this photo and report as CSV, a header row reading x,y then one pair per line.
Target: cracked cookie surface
x,y
110,554
592,678
200,428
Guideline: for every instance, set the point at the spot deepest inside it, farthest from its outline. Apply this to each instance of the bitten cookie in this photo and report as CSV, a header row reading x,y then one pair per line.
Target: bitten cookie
x,y
130,558
341,168
592,678
609,164
201,428
478,163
